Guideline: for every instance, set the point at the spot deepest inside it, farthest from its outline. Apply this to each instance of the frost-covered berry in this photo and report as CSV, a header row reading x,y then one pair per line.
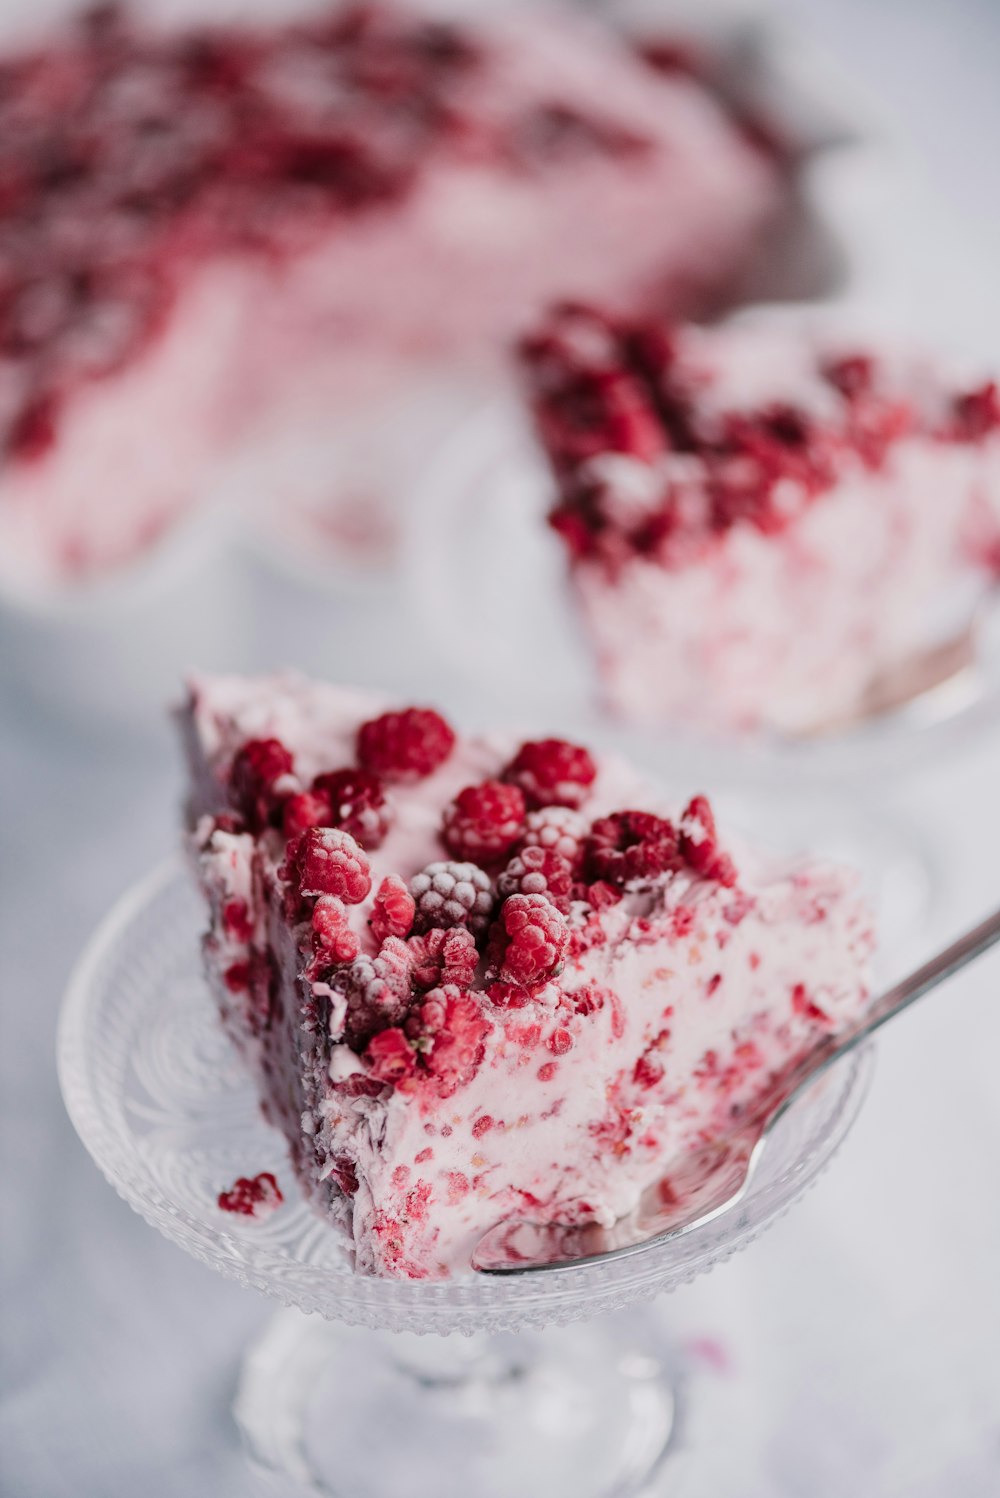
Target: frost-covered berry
x,y
557,829
551,772
261,772
303,810
536,871
391,1057
406,745
357,804
452,894
328,861
448,1031
376,990
443,957
484,821
392,910
332,936
528,942
700,846
630,845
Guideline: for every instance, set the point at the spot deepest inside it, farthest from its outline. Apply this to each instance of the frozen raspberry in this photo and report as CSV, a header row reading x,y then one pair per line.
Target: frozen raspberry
x,y
393,909
303,810
333,939
630,845
443,957
260,772
406,745
252,1196
557,829
484,821
357,804
377,991
452,894
448,1031
977,413
528,942
551,772
699,843
328,861
587,400
391,1056
536,871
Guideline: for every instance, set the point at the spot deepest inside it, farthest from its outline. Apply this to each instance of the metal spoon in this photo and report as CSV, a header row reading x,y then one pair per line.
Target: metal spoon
x,y
711,1182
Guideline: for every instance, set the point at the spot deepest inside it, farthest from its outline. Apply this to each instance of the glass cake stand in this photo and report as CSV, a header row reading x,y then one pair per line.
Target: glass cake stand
x,y
488,580
527,1401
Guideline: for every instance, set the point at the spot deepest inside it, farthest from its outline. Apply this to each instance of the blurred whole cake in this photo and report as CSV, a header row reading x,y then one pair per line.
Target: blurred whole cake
x,y
478,980
248,260
762,523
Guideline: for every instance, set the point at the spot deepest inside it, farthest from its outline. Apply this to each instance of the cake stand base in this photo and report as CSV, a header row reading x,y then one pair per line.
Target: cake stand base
x,y
589,1411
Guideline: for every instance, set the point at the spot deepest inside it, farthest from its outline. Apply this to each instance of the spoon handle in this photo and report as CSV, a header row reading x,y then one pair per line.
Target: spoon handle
x,y
902,994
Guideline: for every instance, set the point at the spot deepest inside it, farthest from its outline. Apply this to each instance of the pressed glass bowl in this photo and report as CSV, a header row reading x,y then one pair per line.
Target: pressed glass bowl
x,y
169,1114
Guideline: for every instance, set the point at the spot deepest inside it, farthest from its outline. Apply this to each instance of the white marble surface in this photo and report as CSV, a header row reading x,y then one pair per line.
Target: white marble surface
x,y
856,1348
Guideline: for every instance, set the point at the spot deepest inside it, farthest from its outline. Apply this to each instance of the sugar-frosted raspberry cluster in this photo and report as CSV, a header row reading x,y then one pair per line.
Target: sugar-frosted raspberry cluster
x,y
411,973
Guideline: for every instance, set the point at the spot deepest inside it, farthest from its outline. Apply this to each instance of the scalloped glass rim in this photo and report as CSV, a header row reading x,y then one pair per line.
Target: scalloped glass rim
x,y
164,1106
485,496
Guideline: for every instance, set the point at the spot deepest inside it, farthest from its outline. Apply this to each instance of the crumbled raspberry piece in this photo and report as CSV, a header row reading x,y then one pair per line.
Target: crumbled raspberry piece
x,y
452,894
407,745
806,1007
699,843
448,1031
551,772
556,829
535,871
393,909
977,413
484,822
333,938
255,1196
376,990
559,1042
443,957
483,1124
33,431
508,995
343,1172
528,941
357,804
853,375
236,920
391,1057
630,845
327,861
259,773
303,810
237,977
648,1071
599,895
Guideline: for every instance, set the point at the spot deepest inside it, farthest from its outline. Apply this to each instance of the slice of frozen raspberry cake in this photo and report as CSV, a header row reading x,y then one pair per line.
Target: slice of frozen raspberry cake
x,y
477,979
760,521
226,252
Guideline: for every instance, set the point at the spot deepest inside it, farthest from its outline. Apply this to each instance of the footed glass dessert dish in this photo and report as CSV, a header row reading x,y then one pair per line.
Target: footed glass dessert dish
x,y
351,1402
